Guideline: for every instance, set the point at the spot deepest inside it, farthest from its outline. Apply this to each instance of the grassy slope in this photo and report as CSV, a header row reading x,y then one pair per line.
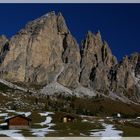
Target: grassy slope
x,y
95,107
129,130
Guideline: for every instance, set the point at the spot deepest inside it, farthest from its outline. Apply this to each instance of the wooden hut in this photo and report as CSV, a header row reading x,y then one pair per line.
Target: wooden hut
x,y
18,122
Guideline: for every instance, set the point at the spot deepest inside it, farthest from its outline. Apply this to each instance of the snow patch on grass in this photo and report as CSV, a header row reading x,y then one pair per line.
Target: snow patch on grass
x,y
3,124
3,114
46,122
48,118
13,134
108,131
24,113
11,111
41,132
44,131
84,120
46,113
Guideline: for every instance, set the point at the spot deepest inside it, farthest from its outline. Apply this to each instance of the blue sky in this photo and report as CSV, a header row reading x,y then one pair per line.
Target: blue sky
x,y
119,24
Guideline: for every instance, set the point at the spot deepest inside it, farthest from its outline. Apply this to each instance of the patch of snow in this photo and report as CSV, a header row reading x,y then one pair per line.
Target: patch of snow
x,y
8,117
13,134
11,111
24,113
84,120
46,113
83,116
3,94
95,130
109,117
50,125
108,131
44,131
46,122
101,120
48,119
3,124
41,132
27,114
3,114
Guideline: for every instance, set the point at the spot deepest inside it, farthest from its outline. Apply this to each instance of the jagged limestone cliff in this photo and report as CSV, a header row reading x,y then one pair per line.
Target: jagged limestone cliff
x,y
45,52
38,52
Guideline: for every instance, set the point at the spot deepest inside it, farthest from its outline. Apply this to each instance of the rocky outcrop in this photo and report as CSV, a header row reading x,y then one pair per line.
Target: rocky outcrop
x,y
71,57
3,41
96,62
125,77
100,70
3,47
38,51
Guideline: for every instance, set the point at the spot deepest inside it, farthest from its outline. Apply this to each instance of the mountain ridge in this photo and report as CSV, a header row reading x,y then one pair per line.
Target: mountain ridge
x,y
45,51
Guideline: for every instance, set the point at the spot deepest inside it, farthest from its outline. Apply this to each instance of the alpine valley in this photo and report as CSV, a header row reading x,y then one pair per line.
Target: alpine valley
x,y
43,68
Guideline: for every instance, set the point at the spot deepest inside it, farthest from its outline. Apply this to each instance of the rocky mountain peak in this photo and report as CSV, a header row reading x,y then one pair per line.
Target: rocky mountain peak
x,y
98,36
62,27
55,22
46,52
89,34
96,62
134,58
39,52
93,40
135,61
94,46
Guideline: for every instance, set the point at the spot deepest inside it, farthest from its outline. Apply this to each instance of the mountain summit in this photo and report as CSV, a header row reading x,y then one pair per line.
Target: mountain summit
x,y
45,52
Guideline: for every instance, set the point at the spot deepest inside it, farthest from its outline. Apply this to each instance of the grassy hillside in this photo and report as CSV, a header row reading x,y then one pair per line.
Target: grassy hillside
x,y
98,106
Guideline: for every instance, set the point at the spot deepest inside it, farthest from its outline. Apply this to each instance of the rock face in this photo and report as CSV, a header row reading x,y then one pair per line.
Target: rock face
x,y
3,47
38,52
45,52
125,77
96,62
3,41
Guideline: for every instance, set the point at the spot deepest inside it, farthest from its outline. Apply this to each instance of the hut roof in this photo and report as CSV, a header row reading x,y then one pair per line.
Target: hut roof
x,y
22,116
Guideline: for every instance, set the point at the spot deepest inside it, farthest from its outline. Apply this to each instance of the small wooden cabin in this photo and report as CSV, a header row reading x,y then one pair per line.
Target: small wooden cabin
x,y
18,122
67,118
